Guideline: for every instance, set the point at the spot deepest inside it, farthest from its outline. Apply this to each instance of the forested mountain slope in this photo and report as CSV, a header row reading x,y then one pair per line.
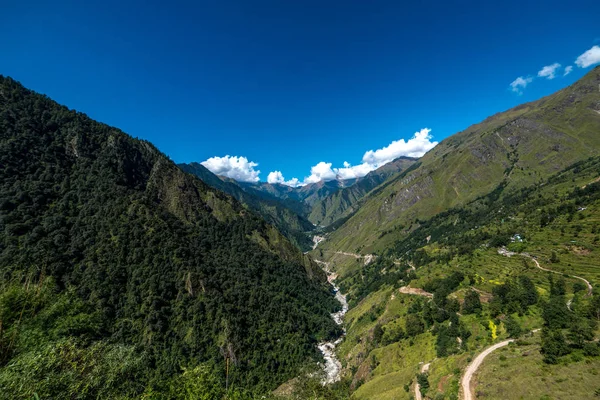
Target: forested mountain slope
x,y
291,209
524,265
505,152
120,271
307,195
273,210
347,200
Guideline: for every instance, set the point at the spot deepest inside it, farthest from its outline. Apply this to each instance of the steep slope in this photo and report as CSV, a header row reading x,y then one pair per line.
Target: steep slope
x,y
507,151
346,201
473,276
292,225
118,269
307,194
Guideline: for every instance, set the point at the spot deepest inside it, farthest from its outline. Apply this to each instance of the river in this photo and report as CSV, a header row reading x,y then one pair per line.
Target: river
x,y
333,366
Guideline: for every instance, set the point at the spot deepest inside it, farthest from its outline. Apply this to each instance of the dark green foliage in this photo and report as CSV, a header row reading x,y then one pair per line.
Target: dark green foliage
x,y
288,220
591,349
472,303
451,337
554,345
441,288
594,307
515,295
371,277
393,334
512,327
414,325
555,313
579,287
581,330
558,287
151,259
377,334
423,380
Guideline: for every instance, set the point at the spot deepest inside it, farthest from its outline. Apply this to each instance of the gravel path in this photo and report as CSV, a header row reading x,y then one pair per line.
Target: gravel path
x,y
424,368
465,382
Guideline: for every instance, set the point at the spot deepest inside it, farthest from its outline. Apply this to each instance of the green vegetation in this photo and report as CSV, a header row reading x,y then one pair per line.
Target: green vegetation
x,y
122,276
346,201
504,153
284,215
518,372
456,259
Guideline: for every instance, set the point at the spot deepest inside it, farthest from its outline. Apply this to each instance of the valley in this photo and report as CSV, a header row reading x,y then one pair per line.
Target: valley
x,y
468,273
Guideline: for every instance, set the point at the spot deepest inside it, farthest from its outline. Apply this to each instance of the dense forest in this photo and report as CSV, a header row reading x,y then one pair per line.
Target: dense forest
x,y
286,218
122,276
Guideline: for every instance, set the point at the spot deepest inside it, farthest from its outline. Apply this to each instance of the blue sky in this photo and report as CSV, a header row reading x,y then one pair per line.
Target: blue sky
x,y
291,84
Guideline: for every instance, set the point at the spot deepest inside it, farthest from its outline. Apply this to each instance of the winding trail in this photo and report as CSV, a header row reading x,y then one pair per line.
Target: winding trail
x,y
465,381
503,251
424,368
588,284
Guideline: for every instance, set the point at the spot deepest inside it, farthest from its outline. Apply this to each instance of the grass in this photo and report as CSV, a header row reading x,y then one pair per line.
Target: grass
x,y
517,372
397,366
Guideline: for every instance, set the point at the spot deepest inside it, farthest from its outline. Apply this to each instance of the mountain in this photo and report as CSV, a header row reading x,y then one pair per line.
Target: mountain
x,y
521,266
345,201
123,276
308,194
288,208
273,210
505,152
490,239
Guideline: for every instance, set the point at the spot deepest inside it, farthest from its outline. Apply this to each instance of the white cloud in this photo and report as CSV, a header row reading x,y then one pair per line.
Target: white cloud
x,y
419,144
352,172
519,84
416,146
277,177
590,57
238,168
568,70
321,172
549,71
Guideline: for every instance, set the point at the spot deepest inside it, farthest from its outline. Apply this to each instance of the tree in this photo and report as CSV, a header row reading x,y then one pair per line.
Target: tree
x,y
423,380
558,287
578,287
512,327
553,345
594,310
472,303
414,325
554,258
377,334
530,294
580,331
555,313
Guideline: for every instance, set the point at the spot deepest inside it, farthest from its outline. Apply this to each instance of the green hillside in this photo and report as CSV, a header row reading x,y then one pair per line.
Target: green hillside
x,y
274,211
513,149
123,277
479,296
346,201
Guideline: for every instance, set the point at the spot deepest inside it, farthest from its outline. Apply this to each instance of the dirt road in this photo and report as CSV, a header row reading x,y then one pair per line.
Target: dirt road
x,y
503,251
588,284
465,382
424,368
